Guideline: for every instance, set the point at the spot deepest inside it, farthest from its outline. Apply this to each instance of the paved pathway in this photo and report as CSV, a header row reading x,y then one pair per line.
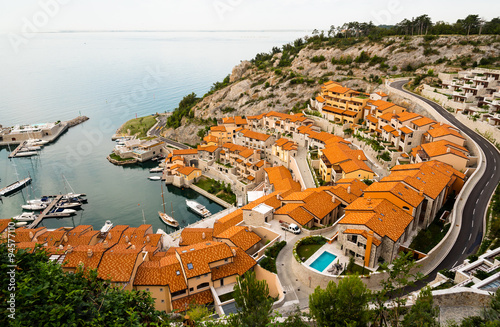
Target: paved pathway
x,y
301,159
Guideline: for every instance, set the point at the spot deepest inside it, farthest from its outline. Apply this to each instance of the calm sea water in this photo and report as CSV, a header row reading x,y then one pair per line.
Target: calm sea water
x,y
109,77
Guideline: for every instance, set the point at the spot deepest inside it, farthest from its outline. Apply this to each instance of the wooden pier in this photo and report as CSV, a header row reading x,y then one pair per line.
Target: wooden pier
x,y
16,150
46,213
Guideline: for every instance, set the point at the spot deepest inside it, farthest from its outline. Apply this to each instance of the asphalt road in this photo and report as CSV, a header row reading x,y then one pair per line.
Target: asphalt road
x,y
473,216
155,131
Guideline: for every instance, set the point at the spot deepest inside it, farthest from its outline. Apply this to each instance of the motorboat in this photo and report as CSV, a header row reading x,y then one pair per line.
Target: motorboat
x,y
25,216
26,154
34,207
76,197
44,200
107,226
168,219
14,186
21,223
156,170
154,178
198,208
63,211
68,205
36,142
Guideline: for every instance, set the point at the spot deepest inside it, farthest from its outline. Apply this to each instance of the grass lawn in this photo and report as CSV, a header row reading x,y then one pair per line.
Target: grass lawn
x,y
356,270
307,250
118,158
428,238
215,187
138,125
226,297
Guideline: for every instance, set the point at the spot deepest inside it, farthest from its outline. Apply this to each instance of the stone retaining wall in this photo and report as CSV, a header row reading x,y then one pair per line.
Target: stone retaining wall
x,y
121,163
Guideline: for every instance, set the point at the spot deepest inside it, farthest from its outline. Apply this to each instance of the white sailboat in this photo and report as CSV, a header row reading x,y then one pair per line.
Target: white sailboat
x,y
25,216
169,220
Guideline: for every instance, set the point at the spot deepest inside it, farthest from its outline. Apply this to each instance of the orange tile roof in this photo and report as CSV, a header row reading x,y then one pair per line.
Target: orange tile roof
x,y
443,131
218,129
260,163
320,99
363,233
241,236
333,110
357,187
296,212
4,224
211,138
423,121
406,130
52,238
166,271
281,179
349,160
382,105
398,189
115,233
117,264
439,148
270,199
379,215
338,89
255,135
209,148
200,298
234,120
195,235
387,116
405,116
186,171
184,152
388,128
246,153
382,94
350,113
372,119
241,263
228,221
196,258
87,255
24,234
85,238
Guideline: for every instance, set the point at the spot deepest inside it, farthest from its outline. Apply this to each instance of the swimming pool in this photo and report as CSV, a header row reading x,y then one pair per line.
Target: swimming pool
x,y
323,261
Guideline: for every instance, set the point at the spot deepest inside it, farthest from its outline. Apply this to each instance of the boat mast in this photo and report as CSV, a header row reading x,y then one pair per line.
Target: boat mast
x,y
162,198
171,204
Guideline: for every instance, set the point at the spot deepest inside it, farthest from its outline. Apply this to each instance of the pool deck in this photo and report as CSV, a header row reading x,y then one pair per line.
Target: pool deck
x,y
334,249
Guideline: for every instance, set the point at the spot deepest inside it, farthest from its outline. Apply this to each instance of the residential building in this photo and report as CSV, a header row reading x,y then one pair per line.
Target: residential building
x,y
253,140
142,150
339,161
284,150
445,151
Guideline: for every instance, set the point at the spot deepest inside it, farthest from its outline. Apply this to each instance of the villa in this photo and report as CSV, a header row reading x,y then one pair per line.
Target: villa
x,y
142,150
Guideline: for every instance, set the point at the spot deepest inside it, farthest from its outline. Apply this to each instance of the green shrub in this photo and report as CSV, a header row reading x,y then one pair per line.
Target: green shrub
x,y
318,58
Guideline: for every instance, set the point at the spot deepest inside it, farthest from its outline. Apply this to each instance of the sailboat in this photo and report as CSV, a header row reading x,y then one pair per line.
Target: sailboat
x,y
169,220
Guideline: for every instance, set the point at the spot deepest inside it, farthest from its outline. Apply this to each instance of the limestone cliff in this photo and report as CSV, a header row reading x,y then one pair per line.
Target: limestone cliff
x,y
253,90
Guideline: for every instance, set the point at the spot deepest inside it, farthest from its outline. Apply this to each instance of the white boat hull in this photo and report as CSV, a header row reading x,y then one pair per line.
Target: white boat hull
x,y
154,178
33,207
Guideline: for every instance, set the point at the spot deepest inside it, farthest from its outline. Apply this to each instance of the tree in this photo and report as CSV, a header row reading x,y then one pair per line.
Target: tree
x,y
345,304
493,312
399,277
46,295
423,312
253,300
470,22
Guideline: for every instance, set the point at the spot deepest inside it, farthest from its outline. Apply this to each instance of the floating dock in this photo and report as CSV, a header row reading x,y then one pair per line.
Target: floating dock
x,y
46,213
16,150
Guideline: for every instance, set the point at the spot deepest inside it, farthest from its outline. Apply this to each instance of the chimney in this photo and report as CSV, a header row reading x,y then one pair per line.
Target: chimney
x,y
89,253
349,189
448,150
109,235
132,247
126,238
105,244
61,247
369,200
421,193
31,235
148,239
180,240
65,238
203,235
234,252
359,157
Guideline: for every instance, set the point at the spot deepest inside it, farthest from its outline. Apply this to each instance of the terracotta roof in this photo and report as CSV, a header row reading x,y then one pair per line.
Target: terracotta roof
x,y
387,116
24,234
405,116
260,163
255,135
234,120
200,298
228,221
333,110
246,153
115,233
296,212
27,246
270,199
356,186
320,99
241,236
87,255
348,159
241,263
363,233
4,224
443,131
405,130
398,189
379,215
350,113
218,129
439,148
117,264
196,258
53,237
281,179
338,89
211,138
184,152
382,105
209,148
388,128
382,94
372,119
423,121
166,271
85,238
187,170
196,235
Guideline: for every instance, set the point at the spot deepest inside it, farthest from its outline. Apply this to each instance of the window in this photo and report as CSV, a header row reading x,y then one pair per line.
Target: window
x,y
198,277
147,289
161,289
190,266
162,301
203,285
177,272
406,208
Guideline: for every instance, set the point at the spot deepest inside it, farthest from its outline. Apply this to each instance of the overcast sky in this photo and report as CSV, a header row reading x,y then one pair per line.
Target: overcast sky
x,y
54,15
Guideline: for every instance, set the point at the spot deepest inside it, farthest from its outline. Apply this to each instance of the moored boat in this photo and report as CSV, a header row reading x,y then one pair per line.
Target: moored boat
x,y
107,226
156,170
15,186
198,208
154,178
26,154
25,216
34,207
168,220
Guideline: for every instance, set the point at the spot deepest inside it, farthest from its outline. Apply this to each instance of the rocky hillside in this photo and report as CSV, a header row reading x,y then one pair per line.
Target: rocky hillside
x,y
266,84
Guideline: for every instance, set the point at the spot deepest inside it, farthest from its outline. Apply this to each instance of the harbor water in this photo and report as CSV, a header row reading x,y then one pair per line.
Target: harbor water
x,y
109,77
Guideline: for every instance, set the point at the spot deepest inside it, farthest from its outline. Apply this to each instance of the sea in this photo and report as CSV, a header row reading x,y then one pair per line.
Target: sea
x,y
110,77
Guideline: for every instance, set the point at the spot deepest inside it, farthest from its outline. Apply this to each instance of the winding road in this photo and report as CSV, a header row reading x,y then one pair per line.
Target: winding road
x,y
471,229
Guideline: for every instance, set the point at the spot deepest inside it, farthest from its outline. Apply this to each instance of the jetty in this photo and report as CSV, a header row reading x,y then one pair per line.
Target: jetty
x,y
16,150
46,212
